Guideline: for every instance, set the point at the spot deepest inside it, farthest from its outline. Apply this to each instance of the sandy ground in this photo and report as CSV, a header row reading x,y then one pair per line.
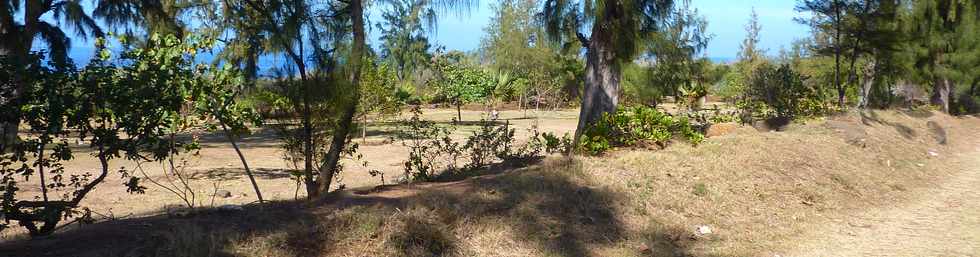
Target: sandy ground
x,y
217,167
941,221
828,192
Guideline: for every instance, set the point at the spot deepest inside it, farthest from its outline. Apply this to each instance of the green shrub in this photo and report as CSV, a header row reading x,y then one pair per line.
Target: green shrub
x,y
627,127
780,92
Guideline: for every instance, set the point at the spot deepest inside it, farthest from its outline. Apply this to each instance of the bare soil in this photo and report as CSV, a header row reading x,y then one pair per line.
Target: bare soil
x,y
880,183
217,167
943,220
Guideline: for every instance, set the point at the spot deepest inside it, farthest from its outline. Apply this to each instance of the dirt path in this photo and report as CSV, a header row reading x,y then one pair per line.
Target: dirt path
x,y
941,221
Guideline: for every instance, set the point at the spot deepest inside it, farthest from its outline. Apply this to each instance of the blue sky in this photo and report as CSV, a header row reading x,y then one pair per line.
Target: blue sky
x,y
726,21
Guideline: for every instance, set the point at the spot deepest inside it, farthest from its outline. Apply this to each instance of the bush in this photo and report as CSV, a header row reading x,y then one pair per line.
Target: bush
x,y
628,127
780,93
434,154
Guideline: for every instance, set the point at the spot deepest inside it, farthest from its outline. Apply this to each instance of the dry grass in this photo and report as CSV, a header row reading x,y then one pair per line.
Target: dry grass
x,y
757,191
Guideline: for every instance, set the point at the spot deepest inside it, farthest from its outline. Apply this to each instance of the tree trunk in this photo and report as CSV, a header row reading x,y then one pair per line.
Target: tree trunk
x,y
973,88
521,104
248,171
308,148
16,45
337,145
40,172
364,123
869,80
940,93
459,112
602,75
841,91
10,120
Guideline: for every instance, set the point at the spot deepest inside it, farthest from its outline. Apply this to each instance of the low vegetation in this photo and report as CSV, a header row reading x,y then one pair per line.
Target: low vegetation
x,y
639,125
626,203
861,105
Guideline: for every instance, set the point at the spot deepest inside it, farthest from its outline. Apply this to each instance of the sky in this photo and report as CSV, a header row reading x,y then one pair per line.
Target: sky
x,y
726,22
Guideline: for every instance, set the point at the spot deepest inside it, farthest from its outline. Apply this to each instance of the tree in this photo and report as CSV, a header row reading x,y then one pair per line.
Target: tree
x,y
216,100
248,42
18,40
873,25
514,43
403,35
328,168
616,29
317,34
944,46
146,17
828,18
154,16
129,111
679,68
749,51
461,83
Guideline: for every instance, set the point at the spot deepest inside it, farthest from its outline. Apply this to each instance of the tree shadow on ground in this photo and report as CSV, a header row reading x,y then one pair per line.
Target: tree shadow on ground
x,y
227,174
938,132
205,232
260,137
553,208
871,117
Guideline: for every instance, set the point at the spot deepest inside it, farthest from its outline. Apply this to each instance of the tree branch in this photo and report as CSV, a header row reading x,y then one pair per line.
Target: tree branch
x,y
581,38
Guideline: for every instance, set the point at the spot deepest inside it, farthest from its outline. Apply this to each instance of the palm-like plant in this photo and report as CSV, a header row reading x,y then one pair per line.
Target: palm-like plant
x,y
147,16
18,40
616,28
152,16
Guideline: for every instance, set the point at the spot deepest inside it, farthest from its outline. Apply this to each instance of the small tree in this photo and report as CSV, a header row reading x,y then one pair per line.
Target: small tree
x,y
215,98
461,84
129,111
677,49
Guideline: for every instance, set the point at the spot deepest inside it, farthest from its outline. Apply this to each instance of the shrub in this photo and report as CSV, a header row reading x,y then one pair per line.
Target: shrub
x,y
627,127
433,153
430,147
780,92
488,143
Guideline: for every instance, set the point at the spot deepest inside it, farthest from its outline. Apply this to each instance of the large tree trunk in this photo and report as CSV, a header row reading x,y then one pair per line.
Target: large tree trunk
x,y
869,80
9,119
329,166
17,45
602,75
940,93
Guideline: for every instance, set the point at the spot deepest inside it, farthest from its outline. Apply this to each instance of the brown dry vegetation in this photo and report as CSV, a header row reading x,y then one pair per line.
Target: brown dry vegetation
x,y
758,191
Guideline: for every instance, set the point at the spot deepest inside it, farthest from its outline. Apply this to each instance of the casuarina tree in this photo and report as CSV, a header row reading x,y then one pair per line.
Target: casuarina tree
x,y
610,31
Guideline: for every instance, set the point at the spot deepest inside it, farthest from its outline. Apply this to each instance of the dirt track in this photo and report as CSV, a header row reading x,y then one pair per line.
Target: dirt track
x,y
941,221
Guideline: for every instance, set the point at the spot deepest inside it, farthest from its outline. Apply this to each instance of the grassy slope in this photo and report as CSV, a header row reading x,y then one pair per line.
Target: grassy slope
x,y
757,191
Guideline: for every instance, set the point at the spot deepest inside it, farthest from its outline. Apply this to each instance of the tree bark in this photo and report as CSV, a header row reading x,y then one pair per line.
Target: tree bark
x,y
869,80
940,93
241,157
841,91
602,77
329,166
16,45
973,88
306,111
12,50
459,111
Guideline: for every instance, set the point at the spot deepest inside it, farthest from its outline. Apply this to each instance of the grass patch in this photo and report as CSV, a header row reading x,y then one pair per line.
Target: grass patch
x,y
700,190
